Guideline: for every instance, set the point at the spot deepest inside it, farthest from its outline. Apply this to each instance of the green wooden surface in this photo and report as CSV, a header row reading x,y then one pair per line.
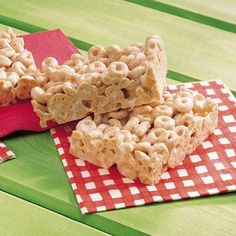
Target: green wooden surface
x,y
224,10
22,218
195,51
37,175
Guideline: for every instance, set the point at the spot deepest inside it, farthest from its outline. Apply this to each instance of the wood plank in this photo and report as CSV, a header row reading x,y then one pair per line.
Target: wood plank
x,y
223,10
35,173
193,49
19,217
187,14
215,215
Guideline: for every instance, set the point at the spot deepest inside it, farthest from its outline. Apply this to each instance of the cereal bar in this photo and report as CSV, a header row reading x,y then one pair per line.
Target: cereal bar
x,y
108,80
147,140
16,69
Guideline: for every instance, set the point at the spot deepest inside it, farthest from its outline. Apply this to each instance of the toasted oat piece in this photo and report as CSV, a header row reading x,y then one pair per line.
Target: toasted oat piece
x,y
110,79
16,64
146,141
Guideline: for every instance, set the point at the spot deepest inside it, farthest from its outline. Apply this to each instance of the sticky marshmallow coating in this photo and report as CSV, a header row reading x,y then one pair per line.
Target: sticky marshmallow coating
x,y
108,80
147,140
16,69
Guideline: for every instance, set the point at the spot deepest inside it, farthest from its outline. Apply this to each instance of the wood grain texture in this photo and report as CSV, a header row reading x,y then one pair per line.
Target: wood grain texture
x,y
19,217
37,175
223,10
193,49
187,14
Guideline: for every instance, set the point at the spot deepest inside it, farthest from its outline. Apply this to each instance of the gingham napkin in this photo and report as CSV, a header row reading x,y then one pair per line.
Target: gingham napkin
x,y
211,169
5,153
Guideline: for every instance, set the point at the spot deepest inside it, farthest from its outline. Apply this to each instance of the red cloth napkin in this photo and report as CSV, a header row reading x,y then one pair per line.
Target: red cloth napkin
x,y
211,169
20,116
5,153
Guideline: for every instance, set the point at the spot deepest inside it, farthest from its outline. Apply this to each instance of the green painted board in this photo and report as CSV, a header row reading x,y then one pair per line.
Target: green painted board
x,y
220,9
37,175
22,218
194,49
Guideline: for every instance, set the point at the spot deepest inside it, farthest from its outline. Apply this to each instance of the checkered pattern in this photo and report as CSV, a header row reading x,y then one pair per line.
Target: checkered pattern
x,y
5,153
211,169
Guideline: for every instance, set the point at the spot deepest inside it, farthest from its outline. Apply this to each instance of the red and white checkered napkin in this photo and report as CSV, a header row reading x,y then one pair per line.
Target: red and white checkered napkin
x,y
211,169
5,153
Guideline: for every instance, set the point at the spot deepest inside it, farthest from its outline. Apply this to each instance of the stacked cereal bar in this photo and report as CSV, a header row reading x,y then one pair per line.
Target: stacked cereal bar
x,y
108,80
16,69
145,141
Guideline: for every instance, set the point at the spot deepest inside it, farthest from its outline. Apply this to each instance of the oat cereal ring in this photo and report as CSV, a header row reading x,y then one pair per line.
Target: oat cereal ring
x,y
113,52
183,102
49,62
164,110
87,91
24,87
199,103
145,109
167,95
137,44
182,131
13,78
4,43
131,50
10,32
5,35
25,58
156,135
115,122
96,66
96,52
18,68
131,124
153,42
7,52
127,59
7,94
138,59
41,79
4,61
165,122
118,70
38,94
77,57
144,147
85,124
136,73
83,69
142,128
102,127
18,44
3,74
113,133
186,120
161,148
171,139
